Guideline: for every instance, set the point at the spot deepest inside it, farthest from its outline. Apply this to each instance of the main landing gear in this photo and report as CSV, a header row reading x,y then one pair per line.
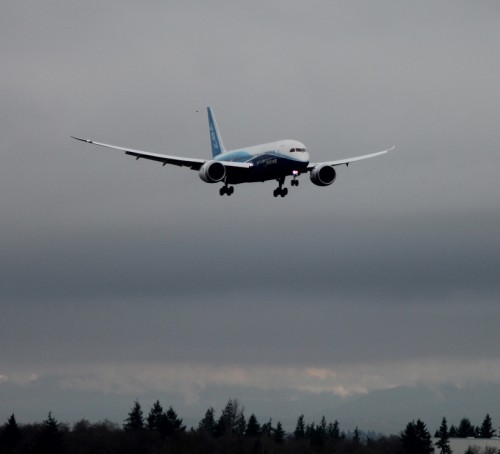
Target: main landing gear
x,y
226,190
280,190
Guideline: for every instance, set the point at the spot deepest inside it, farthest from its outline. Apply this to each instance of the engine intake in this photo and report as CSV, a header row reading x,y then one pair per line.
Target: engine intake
x,y
212,172
323,175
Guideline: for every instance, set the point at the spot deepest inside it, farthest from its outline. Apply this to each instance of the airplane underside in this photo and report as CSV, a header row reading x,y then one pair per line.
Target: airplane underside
x,y
265,169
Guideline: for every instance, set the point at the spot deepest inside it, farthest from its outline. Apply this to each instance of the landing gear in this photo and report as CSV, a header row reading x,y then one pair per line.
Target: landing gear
x,y
295,182
280,190
226,190
295,174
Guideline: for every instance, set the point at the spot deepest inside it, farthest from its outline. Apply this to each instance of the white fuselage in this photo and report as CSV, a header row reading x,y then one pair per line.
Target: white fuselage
x,y
269,161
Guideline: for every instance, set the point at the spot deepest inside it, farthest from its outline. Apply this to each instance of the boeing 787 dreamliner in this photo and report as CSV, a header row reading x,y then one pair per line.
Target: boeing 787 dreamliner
x,y
269,161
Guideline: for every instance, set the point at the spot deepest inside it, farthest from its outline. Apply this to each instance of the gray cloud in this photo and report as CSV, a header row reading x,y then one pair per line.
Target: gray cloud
x,y
105,259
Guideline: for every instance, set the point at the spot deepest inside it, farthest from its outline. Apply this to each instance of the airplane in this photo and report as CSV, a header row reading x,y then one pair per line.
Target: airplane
x,y
258,163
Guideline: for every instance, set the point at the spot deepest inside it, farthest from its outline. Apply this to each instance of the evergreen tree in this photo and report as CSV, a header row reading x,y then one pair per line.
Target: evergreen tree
x,y
50,439
253,427
240,425
300,430
170,424
310,430
453,432
226,425
278,433
135,420
416,439
208,424
486,430
321,428
10,435
333,430
465,429
356,436
155,416
444,439
267,428
316,435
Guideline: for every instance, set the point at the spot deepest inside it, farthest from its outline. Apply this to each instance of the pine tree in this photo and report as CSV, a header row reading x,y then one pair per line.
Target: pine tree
x,y
300,430
321,428
226,425
465,429
10,435
267,428
278,433
486,430
50,439
333,430
356,436
416,439
253,427
170,424
240,425
155,416
207,424
135,420
444,439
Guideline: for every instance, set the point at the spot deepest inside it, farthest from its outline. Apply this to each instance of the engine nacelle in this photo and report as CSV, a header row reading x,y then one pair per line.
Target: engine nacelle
x,y
212,172
323,175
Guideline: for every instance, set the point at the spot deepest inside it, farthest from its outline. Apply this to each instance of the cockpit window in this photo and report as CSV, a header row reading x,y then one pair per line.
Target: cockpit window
x,y
298,150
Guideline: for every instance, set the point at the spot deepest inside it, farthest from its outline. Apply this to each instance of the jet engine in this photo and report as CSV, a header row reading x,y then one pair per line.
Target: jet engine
x,y
323,175
212,172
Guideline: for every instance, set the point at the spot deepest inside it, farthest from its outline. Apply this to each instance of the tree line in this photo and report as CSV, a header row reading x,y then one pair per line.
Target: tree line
x,y
163,431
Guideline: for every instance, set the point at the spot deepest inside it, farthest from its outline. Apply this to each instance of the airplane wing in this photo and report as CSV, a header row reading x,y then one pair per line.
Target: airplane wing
x,y
347,161
192,163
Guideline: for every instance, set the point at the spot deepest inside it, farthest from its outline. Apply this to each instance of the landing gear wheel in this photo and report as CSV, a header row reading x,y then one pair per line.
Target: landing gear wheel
x,y
280,192
226,190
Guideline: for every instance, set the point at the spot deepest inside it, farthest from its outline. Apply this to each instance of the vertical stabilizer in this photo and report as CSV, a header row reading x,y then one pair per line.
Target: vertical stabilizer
x,y
215,138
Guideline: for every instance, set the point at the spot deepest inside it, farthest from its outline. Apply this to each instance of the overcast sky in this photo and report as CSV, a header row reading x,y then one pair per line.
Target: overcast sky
x,y
123,279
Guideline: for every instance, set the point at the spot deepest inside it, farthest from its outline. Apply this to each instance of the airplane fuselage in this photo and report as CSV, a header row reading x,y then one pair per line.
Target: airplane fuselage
x,y
270,161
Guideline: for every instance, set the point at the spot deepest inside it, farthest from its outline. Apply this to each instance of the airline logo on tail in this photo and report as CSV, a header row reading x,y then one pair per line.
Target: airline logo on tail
x,y
215,138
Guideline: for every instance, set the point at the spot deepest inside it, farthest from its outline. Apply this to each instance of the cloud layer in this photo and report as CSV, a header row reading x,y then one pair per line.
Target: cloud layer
x,y
127,277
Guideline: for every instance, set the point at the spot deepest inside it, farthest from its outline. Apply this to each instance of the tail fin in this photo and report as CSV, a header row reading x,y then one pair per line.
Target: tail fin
x,y
215,138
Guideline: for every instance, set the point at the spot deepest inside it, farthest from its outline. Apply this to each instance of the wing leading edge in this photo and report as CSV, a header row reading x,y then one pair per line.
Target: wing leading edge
x,y
347,161
192,163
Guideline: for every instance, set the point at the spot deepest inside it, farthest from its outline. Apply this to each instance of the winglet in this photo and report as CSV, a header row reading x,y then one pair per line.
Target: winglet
x,y
82,140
